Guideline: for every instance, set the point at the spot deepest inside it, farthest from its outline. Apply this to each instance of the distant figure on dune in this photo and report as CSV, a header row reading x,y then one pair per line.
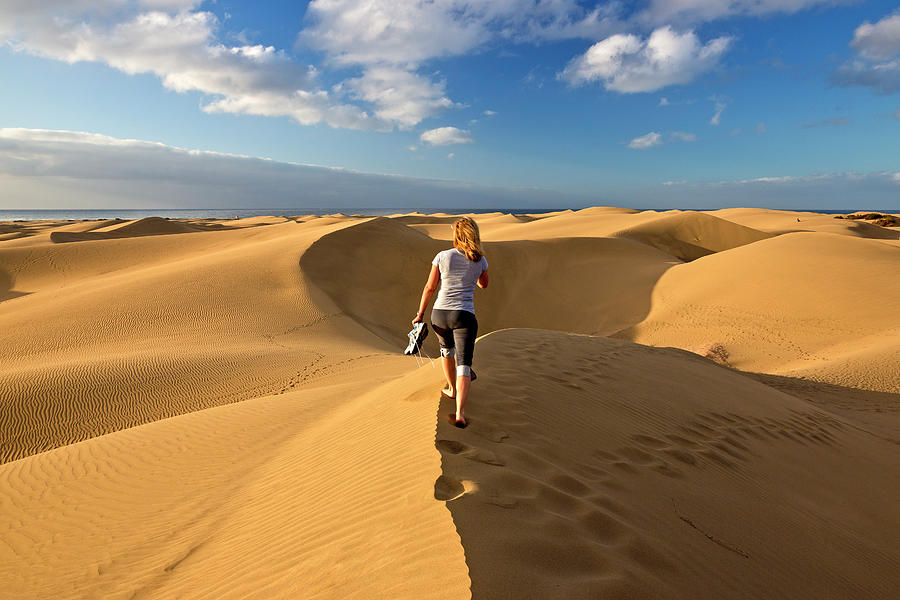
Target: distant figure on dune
x,y
458,271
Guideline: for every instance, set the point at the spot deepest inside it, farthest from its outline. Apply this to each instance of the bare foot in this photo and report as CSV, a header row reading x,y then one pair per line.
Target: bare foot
x,y
449,392
457,420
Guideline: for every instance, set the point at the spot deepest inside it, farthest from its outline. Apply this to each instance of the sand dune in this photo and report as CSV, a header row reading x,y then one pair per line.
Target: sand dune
x,y
158,226
817,305
595,468
140,227
583,285
293,496
218,408
113,333
690,235
780,221
685,235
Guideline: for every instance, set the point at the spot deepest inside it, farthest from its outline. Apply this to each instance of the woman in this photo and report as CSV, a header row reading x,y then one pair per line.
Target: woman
x,y
458,271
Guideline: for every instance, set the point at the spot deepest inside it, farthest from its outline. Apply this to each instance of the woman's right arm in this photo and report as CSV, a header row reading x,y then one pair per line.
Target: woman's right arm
x,y
434,279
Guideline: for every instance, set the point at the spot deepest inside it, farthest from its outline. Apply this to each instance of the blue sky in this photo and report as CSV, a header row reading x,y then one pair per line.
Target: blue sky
x,y
683,103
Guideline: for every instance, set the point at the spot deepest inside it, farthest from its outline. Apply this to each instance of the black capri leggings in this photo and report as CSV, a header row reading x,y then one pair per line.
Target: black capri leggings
x,y
457,330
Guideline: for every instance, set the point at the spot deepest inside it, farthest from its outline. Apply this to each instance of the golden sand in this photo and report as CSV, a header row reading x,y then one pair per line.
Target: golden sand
x,y
669,405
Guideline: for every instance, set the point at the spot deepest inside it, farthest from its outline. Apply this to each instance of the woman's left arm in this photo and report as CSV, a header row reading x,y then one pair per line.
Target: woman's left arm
x,y
431,286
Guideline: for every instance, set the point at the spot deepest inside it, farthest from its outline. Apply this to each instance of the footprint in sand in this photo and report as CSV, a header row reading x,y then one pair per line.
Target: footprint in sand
x,y
448,489
458,448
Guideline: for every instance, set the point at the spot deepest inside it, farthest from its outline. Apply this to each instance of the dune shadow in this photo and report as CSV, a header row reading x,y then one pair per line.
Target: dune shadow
x,y
13,230
875,232
149,226
6,291
875,412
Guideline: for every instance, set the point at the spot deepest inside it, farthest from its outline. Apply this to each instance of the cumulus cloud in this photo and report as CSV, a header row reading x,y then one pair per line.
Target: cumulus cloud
x,y
387,44
70,169
878,41
412,31
646,141
403,35
629,64
877,64
442,136
663,101
182,50
398,95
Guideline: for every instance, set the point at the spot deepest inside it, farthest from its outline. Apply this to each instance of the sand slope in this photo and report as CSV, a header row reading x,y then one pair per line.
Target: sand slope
x,y
292,496
109,334
596,468
816,305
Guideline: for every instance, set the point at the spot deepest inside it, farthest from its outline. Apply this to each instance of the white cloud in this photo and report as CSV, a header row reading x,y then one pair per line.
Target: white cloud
x,y
879,41
490,113
408,32
403,35
443,136
681,136
897,177
629,64
646,141
663,101
878,62
451,155
70,169
717,114
399,96
655,138
387,42
182,51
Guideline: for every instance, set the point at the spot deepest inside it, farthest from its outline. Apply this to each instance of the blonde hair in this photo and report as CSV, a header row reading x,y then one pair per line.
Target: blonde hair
x,y
467,238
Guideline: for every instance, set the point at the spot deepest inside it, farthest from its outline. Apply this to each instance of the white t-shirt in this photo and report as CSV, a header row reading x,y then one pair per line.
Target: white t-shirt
x,y
458,278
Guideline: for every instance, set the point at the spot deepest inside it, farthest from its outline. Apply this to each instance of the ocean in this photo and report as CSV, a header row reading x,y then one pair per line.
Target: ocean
x,y
231,213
